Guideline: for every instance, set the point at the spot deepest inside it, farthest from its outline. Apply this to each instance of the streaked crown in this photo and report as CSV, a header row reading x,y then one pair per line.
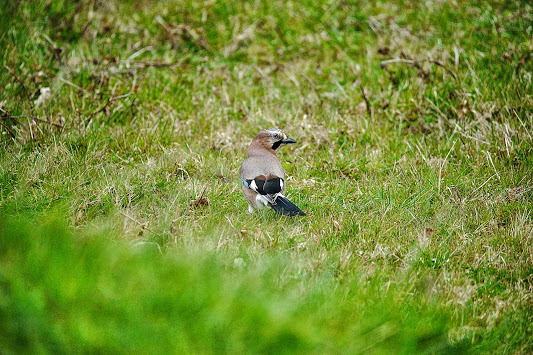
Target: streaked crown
x,y
276,134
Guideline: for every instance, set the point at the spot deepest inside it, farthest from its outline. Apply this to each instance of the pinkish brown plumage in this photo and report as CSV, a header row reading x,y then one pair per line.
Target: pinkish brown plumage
x,y
262,175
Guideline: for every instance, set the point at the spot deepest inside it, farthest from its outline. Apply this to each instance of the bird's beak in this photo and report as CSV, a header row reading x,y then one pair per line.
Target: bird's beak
x,y
288,140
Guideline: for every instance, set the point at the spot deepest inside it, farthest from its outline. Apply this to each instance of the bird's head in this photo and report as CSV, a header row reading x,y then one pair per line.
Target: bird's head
x,y
273,138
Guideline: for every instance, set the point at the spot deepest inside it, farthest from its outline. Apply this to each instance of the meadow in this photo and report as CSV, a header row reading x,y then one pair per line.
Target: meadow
x,y
122,223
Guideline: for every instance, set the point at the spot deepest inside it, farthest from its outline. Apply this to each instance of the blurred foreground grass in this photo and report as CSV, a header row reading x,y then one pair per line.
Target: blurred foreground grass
x,y
413,164
65,291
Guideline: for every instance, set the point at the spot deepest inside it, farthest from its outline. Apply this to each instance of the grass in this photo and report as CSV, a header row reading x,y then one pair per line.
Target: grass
x,y
413,164
71,292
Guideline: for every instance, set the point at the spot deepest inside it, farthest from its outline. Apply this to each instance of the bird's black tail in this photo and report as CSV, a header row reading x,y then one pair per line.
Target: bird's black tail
x,y
285,207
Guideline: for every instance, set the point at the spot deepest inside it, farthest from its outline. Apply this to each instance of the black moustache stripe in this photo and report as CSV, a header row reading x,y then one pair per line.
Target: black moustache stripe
x,y
277,144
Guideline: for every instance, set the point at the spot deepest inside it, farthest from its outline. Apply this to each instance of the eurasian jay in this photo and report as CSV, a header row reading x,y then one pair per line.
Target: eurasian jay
x,y
263,177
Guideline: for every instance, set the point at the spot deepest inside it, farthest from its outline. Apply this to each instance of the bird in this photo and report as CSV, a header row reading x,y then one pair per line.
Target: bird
x,y
262,175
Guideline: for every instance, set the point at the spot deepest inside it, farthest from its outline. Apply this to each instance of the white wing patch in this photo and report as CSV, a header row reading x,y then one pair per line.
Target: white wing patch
x,y
253,185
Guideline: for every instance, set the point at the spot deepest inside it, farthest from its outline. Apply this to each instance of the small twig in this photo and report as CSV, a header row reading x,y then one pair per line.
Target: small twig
x,y
436,62
120,97
203,192
73,85
10,132
384,63
281,35
143,225
458,194
188,34
98,110
201,200
103,107
155,64
15,117
263,74
473,192
50,123
131,109
86,26
117,68
363,95
33,117
56,51
23,87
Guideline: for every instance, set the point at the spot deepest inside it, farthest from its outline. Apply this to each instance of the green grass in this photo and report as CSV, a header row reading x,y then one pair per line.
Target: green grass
x,y
418,234
71,291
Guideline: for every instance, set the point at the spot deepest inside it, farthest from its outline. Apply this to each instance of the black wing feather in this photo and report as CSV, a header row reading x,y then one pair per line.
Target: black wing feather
x,y
285,207
267,187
